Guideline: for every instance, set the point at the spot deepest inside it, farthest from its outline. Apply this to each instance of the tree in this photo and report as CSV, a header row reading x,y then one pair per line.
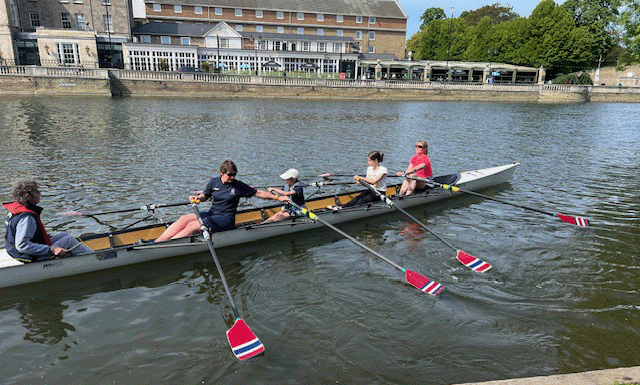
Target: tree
x,y
600,17
430,15
630,23
496,12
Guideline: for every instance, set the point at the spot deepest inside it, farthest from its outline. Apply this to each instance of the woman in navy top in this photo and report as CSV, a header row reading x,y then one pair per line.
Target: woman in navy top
x,y
225,193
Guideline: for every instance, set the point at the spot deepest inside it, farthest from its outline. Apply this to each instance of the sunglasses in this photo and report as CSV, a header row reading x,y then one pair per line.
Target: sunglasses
x,y
417,146
231,174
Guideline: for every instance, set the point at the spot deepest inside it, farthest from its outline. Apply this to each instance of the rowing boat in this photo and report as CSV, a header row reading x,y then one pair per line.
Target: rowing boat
x,y
134,245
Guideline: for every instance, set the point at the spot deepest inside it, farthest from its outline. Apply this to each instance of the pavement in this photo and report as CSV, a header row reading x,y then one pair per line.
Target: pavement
x,y
597,377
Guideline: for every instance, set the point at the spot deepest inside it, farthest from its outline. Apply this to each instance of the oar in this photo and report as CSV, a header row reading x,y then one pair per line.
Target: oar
x,y
242,340
578,221
468,260
420,282
144,208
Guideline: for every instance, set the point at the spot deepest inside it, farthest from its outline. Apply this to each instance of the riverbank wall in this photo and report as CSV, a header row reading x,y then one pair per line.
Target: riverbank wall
x,y
102,82
630,375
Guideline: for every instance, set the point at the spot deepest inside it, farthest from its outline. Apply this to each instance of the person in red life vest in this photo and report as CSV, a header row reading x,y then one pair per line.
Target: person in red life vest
x,y
420,166
26,238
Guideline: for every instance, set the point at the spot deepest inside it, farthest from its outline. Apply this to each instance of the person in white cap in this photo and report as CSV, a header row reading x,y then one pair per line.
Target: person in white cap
x,y
292,189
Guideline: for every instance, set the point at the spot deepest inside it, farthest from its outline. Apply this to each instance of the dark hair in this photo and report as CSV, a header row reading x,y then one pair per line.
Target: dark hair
x,y
228,166
376,155
22,189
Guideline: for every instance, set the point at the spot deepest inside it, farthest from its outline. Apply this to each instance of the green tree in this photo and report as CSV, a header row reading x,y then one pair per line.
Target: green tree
x,y
496,12
430,15
630,30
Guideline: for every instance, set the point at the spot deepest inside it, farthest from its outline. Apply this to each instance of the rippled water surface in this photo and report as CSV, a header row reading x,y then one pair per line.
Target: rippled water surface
x,y
559,298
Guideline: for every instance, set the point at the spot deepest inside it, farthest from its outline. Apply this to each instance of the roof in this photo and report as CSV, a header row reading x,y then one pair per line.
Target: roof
x,y
454,65
377,8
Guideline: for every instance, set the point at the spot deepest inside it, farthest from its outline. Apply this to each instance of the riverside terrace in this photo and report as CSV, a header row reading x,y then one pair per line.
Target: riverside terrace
x,y
32,80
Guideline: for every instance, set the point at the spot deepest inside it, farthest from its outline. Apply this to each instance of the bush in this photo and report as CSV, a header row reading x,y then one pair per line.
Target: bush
x,y
582,79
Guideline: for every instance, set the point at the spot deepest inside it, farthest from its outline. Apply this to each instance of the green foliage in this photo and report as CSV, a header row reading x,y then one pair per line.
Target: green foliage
x,y
630,23
496,12
582,79
430,15
205,66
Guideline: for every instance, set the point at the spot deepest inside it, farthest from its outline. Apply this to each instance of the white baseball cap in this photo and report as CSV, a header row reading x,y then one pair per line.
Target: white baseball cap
x,y
290,173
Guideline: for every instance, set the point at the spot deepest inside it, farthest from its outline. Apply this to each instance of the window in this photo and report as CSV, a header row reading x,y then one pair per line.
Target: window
x,y
305,45
68,53
320,17
224,42
218,11
105,2
165,39
339,32
197,10
186,40
81,24
146,39
337,47
372,49
66,20
280,29
239,27
358,35
300,31
177,8
280,15
300,15
238,12
259,14
339,18
359,19
322,47
157,7
77,1
372,35
372,20
259,28
35,19
320,32
107,22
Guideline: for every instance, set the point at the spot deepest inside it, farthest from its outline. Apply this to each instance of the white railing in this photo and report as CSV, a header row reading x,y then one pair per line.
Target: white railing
x,y
67,72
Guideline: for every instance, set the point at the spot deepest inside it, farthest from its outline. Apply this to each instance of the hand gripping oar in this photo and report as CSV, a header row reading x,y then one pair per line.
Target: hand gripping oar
x,y
420,282
578,221
468,260
150,207
242,340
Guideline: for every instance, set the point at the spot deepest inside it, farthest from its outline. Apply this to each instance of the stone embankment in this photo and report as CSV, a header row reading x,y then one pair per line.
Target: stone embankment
x,y
618,376
23,80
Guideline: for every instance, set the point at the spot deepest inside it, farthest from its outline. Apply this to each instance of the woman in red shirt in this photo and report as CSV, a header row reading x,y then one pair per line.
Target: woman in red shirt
x,y
420,166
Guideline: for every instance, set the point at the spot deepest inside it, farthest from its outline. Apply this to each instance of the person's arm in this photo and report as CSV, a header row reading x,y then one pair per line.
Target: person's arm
x,y
281,192
267,195
25,230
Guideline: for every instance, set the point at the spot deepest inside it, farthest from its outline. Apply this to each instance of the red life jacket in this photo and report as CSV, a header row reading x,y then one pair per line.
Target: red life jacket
x,y
16,208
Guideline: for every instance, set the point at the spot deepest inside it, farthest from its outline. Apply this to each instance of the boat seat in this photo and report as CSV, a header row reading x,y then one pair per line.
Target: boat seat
x,y
6,260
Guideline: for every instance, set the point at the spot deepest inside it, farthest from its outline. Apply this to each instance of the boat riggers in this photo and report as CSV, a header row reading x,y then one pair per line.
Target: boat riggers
x,y
468,260
418,281
578,221
242,340
150,207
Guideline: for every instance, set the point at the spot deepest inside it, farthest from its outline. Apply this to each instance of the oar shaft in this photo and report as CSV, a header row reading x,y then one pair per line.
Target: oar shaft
x,y
207,236
390,203
145,207
352,239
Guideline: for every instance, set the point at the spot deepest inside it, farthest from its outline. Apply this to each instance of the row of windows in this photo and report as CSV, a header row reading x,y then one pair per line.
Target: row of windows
x,y
300,31
264,44
260,14
103,2
67,21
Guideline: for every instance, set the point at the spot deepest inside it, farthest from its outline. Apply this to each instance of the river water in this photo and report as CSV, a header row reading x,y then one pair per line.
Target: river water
x,y
559,299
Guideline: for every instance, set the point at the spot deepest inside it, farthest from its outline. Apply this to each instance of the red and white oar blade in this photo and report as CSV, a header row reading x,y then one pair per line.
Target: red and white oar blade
x,y
578,221
472,262
243,341
423,283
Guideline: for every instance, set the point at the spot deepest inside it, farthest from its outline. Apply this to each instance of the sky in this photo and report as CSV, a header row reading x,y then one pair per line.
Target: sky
x,y
415,9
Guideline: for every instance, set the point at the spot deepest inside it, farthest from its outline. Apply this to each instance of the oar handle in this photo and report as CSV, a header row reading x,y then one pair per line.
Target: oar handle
x,y
207,236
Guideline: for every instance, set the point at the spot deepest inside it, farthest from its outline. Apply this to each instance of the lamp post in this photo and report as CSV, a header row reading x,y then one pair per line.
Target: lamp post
x,y
255,47
449,47
218,54
107,3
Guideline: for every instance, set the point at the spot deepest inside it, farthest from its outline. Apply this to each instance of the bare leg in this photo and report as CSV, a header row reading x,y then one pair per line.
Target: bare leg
x,y
279,216
177,226
413,185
